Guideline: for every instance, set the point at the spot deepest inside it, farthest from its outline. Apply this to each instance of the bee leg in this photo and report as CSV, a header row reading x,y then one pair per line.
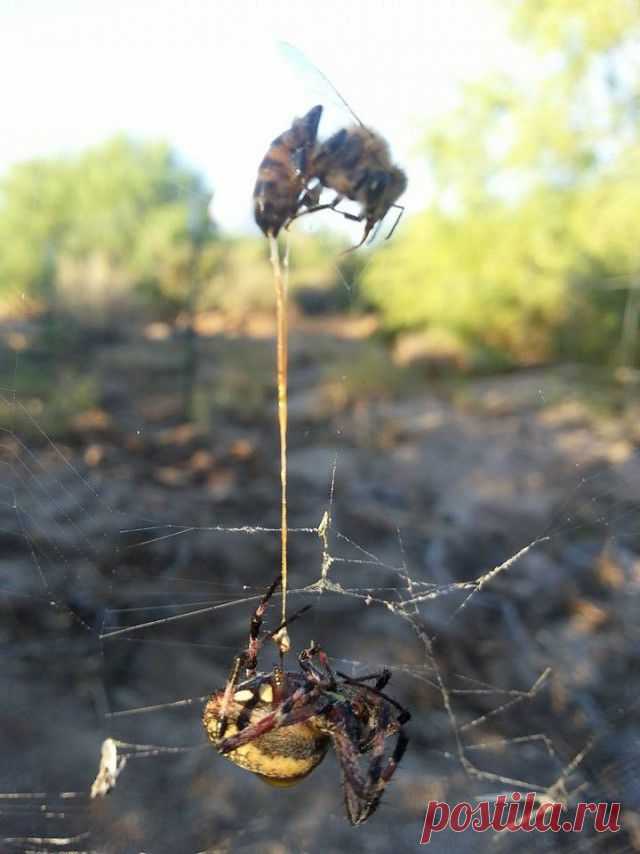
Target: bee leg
x,y
311,197
304,213
398,218
367,231
316,207
375,233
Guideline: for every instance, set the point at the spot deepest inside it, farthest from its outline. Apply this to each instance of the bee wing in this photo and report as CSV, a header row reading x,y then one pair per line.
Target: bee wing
x,y
316,81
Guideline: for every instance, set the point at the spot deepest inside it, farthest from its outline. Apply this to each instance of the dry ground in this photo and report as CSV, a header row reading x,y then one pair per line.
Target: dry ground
x,y
468,473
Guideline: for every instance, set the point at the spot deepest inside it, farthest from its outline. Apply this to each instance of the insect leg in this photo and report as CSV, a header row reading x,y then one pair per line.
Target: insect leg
x,y
251,653
382,677
311,194
247,659
367,231
300,706
375,233
398,218
304,660
289,620
405,714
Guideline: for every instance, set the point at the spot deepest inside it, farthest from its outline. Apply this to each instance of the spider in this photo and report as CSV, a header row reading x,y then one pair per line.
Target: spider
x,y
279,725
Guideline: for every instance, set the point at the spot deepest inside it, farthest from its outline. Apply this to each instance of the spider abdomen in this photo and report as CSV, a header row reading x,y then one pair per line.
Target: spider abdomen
x,y
279,725
282,756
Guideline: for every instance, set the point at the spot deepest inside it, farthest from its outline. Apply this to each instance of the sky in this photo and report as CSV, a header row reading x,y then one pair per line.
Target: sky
x,y
208,76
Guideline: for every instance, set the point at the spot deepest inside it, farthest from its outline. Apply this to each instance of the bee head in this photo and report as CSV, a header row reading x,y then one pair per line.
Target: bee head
x,y
382,190
376,186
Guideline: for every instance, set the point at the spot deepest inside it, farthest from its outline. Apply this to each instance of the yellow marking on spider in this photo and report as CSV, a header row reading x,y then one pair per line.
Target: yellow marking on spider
x,y
243,696
283,756
280,783
266,693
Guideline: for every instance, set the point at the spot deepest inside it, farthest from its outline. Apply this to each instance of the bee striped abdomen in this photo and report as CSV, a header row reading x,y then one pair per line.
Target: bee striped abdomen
x,y
282,175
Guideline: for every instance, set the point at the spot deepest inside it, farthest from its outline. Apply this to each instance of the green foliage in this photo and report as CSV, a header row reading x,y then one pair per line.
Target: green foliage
x,y
242,280
586,25
531,243
49,400
497,281
35,206
242,387
526,252
366,376
121,218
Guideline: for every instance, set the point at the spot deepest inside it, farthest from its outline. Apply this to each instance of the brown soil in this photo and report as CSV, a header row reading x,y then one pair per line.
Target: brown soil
x,y
468,479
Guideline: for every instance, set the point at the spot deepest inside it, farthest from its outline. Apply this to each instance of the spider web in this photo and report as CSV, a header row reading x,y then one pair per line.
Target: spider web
x,y
122,613
487,558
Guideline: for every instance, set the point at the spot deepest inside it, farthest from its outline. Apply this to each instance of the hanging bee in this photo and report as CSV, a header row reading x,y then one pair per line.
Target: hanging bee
x,y
355,162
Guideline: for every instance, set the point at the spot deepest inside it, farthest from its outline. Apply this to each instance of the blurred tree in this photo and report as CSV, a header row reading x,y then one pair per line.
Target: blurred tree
x,y
35,206
241,281
90,230
532,229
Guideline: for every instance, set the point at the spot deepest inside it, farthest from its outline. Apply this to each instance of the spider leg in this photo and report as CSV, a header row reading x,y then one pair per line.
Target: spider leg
x,y
287,622
298,707
383,678
251,653
304,659
248,658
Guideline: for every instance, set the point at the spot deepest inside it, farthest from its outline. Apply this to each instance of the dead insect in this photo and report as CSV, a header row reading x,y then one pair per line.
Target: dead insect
x,y
355,162
281,187
279,725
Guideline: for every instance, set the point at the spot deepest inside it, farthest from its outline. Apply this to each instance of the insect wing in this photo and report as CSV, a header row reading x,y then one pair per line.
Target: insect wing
x,y
317,86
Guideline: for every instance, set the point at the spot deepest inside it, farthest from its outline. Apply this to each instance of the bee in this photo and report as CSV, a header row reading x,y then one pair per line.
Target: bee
x,y
355,162
281,188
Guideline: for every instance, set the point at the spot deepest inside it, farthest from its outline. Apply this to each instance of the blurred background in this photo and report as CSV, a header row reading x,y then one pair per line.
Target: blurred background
x,y
457,393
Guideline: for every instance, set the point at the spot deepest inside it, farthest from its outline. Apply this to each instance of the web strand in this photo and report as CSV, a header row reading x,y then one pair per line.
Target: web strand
x,y
58,515
281,280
